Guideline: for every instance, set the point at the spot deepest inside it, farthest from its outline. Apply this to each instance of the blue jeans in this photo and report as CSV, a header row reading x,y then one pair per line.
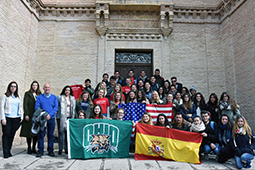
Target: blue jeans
x,y
50,135
244,157
208,149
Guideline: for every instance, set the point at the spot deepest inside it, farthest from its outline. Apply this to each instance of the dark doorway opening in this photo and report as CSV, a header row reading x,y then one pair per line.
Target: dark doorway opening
x,y
136,60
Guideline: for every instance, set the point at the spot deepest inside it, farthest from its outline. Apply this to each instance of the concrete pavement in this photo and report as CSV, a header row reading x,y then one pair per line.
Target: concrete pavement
x,y
21,160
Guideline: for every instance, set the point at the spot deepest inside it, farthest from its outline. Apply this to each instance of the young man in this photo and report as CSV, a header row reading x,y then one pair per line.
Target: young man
x,y
173,90
119,79
177,85
126,89
143,76
179,123
210,136
110,87
154,86
160,80
132,77
49,103
105,79
88,88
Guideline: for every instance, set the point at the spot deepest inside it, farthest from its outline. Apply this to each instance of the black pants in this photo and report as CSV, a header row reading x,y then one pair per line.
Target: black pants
x,y
225,154
9,130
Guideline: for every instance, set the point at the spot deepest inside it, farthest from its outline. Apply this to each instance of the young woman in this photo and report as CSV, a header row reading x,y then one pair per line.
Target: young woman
x,y
178,98
242,143
141,98
162,121
97,113
117,99
84,103
169,101
225,136
184,91
161,93
199,102
166,87
103,102
11,116
197,125
81,114
155,98
147,90
66,110
102,86
134,88
146,118
212,107
188,109
120,113
117,88
228,106
131,97
29,109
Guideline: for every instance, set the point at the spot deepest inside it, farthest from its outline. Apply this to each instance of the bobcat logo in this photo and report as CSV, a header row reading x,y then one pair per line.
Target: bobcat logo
x,y
100,143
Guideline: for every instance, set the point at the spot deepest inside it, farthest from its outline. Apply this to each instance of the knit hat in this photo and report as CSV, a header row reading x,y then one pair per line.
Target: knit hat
x,y
192,88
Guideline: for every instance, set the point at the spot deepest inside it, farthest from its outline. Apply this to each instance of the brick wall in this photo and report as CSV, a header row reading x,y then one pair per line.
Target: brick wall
x,y
18,37
238,38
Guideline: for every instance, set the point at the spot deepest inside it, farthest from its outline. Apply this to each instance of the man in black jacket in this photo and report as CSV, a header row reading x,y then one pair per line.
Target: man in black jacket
x,y
210,136
178,86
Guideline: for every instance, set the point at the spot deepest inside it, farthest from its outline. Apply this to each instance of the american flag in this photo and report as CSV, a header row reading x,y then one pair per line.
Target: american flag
x,y
155,110
133,111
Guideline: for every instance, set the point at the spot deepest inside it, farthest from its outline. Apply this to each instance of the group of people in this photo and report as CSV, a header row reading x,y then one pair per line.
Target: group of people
x,y
223,128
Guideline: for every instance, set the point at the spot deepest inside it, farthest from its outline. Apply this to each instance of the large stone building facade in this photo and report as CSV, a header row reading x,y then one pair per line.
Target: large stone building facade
x,y
209,44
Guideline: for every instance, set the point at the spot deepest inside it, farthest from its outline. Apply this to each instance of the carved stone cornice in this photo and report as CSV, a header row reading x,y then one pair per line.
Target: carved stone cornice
x,y
134,35
133,14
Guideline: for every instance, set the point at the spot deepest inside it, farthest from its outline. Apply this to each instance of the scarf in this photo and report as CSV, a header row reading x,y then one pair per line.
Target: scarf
x,y
197,128
222,127
240,131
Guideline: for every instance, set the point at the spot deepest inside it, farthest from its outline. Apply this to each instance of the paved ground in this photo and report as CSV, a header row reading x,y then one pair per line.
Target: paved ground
x,y
21,160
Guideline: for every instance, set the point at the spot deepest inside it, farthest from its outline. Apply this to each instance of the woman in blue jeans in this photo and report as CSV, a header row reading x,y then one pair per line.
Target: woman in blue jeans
x,y
242,143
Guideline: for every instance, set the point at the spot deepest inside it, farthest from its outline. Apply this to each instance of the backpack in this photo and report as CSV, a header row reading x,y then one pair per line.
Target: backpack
x,y
212,125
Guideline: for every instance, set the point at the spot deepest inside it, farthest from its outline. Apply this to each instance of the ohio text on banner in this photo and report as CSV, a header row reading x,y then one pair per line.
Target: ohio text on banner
x,y
160,143
94,138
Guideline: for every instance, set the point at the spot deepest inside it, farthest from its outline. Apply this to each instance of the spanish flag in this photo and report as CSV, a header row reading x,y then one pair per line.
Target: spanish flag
x,y
160,143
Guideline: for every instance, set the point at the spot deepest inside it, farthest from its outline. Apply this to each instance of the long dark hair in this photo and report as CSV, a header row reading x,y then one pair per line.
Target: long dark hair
x,y
230,100
187,105
8,91
129,99
229,124
166,120
202,104
93,115
210,102
143,95
64,89
164,88
37,91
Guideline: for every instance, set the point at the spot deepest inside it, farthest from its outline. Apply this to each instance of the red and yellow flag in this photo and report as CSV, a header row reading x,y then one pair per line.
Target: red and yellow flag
x,y
160,143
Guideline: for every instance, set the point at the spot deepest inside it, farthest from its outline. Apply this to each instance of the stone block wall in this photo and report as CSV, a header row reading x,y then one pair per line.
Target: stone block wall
x,y
238,37
18,44
67,53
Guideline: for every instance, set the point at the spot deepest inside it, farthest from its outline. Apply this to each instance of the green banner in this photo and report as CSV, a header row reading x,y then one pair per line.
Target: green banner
x,y
94,138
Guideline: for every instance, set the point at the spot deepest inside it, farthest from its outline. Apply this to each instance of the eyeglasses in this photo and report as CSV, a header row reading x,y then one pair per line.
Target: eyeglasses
x,y
173,81
14,86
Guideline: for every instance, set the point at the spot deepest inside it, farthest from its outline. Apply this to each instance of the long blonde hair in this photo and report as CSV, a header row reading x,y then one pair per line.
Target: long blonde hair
x,y
114,91
158,99
246,127
150,121
105,90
